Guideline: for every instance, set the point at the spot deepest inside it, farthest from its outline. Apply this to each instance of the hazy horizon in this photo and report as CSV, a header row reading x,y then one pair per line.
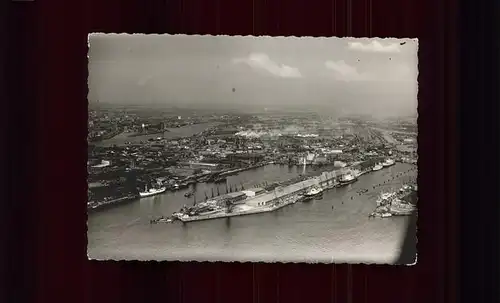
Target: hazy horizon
x,y
338,75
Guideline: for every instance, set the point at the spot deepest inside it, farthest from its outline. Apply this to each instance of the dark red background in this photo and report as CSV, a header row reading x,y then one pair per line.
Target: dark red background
x,y
47,60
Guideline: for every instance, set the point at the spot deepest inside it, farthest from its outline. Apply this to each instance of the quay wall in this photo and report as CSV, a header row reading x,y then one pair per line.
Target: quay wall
x,y
324,179
235,214
279,193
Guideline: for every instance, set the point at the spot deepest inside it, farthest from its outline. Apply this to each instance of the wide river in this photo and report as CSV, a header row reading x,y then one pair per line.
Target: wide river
x,y
334,229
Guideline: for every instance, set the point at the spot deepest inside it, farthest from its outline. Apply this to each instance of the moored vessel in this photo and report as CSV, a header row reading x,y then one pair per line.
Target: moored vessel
x,y
377,166
152,191
313,192
388,162
347,179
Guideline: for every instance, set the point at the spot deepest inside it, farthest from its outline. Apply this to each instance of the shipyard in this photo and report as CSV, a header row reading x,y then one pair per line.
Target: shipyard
x,y
261,149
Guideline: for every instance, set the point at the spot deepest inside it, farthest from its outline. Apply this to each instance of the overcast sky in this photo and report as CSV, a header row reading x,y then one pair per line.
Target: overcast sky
x,y
359,76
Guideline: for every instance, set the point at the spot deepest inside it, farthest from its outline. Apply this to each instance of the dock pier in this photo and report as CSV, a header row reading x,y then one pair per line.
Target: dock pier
x,y
278,198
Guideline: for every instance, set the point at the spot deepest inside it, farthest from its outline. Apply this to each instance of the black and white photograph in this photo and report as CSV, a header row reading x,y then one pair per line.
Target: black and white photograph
x,y
251,148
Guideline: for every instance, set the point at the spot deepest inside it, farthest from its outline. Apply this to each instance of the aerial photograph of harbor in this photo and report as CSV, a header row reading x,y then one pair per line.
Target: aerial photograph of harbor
x,y
262,149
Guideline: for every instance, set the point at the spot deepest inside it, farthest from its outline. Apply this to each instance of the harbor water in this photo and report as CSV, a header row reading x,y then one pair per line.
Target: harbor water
x,y
335,228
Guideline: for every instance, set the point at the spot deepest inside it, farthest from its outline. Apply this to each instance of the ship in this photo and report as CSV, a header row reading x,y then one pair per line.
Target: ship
x,y
152,191
95,205
377,166
313,192
161,220
388,162
347,179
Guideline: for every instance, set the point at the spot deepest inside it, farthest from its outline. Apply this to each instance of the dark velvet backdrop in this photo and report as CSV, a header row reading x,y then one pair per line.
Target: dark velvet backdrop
x,y
47,235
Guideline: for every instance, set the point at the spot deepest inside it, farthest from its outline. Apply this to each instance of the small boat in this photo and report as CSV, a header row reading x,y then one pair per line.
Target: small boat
x,y
161,220
165,220
189,194
386,215
377,167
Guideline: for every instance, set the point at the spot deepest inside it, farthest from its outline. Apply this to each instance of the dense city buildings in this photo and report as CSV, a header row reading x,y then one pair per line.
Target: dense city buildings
x,y
133,150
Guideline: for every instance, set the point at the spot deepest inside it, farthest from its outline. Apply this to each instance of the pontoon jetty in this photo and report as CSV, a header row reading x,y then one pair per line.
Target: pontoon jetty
x,y
261,200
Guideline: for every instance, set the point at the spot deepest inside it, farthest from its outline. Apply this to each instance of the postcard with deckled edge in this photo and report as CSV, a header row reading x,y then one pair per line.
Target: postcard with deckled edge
x,y
252,148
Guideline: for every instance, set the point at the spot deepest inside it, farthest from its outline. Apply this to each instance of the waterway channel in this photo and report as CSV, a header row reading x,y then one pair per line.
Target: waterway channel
x,y
171,133
333,229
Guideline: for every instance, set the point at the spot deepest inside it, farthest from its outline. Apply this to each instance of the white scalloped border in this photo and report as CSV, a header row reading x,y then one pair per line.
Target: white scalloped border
x,y
250,261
